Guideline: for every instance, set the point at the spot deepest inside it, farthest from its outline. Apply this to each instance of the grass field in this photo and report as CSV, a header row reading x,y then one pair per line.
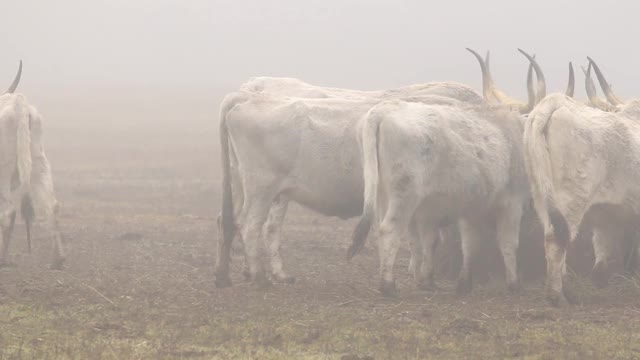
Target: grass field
x,y
138,210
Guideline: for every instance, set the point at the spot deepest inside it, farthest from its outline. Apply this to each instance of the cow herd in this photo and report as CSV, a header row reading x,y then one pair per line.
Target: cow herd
x,y
409,161
412,160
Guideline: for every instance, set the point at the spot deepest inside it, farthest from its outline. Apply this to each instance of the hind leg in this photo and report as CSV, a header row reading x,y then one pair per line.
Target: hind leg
x,y
428,237
7,229
508,234
470,239
259,194
272,237
394,227
415,247
45,200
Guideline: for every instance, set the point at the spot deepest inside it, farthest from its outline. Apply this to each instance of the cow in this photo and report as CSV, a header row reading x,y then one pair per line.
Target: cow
x,y
294,87
27,184
608,238
282,149
581,162
427,165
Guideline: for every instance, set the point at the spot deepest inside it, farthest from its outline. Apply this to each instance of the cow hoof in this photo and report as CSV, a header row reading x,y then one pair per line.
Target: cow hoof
x,y
57,264
464,287
222,281
388,289
600,275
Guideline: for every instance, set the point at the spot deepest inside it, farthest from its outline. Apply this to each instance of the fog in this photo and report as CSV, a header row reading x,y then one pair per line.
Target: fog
x,y
174,60
129,91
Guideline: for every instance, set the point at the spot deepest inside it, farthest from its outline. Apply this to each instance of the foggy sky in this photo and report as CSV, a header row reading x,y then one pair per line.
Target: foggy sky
x,y
82,56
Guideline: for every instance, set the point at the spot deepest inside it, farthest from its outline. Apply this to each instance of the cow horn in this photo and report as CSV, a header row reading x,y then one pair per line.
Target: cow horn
x,y
542,84
572,82
592,94
487,89
606,88
530,93
16,81
490,92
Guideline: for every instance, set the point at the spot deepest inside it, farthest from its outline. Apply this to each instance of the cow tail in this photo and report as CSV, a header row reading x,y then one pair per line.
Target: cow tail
x,y
227,217
370,166
24,163
23,144
538,163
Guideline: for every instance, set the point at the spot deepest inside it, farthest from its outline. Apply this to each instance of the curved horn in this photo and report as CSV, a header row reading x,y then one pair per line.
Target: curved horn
x,y
572,82
490,92
606,88
592,94
16,81
542,84
486,76
531,94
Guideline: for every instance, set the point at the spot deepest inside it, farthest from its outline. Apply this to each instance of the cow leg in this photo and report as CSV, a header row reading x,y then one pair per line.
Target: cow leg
x,y
58,257
415,245
245,261
508,234
223,255
470,239
254,215
394,227
44,198
429,239
272,237
555,252
603,247
7,229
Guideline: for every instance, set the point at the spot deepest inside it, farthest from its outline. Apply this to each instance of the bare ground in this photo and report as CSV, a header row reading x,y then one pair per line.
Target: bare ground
x,y
138,214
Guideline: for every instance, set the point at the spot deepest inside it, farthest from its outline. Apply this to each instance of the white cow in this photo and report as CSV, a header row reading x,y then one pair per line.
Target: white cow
x,y
614,232
30,186
582,163
272,231
287,149
436,164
